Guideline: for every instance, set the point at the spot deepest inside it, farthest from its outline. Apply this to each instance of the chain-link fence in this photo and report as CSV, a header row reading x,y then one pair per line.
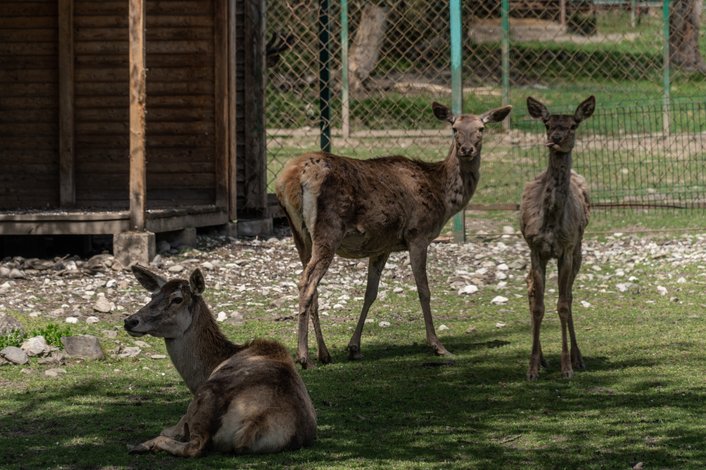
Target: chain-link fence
x,y
641,148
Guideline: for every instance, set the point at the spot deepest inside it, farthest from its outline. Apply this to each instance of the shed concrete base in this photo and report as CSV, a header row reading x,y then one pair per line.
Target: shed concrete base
x,y
134,247
255,227
184,237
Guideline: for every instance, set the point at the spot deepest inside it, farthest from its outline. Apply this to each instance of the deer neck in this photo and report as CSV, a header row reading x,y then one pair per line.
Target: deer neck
x,y
461,175
558,181
200,349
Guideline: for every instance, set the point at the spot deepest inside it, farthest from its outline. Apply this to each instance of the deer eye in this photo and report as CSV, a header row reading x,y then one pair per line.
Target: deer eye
x,y
176,301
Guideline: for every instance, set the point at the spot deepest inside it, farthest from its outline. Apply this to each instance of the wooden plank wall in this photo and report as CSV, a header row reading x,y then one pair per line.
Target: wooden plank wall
x,y
29,103
181,141
101,103
180,103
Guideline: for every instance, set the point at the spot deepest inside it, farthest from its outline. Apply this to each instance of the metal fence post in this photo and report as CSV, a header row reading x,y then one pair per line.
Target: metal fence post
x,y
345,103
459,221
666,84
324,76
505,51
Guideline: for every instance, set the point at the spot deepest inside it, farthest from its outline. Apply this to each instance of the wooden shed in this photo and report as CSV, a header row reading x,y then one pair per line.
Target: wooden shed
x,y
126,117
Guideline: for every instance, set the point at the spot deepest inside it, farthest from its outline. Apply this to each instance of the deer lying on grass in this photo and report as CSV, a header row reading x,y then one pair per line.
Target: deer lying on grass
x,y
247,398
370,208
553,215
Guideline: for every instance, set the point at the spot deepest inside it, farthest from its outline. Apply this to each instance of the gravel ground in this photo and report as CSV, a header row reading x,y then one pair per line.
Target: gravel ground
x,y
261,275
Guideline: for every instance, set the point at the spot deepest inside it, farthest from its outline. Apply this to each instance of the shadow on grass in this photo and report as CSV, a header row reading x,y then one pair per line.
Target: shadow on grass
x,y
391,409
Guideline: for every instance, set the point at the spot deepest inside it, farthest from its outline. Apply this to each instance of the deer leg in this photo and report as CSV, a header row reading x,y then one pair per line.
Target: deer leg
x,y
303,244
323,354
178,431
576,358
375,266
535,292
197,424
315,269
564,309
418,260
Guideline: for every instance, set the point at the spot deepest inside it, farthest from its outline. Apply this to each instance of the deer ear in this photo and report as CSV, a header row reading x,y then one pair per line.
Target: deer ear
x,y
536,109
496,115
148,279
585,109
197,282
442,113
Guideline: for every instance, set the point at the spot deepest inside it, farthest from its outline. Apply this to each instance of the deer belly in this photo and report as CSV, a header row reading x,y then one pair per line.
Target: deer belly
x,y
357,244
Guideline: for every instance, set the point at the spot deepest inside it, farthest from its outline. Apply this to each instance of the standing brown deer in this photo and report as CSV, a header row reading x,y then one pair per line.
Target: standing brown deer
x,y
370,208
247,398
553,215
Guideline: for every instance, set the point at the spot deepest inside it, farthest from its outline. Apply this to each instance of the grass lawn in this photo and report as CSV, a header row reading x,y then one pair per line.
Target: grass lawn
x,y
642,398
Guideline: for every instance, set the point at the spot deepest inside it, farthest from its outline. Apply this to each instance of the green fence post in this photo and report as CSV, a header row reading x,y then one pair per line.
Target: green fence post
x,y
324,76
345,103
459,221
666,83
505,51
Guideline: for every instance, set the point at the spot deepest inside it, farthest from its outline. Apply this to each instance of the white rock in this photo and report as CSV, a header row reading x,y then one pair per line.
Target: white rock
x,y
442,328
177,268
500,325
91,320
338,306
502,267
508,230
222,316
130,351
398,290
158,356
662,290
499,300
500,276
207,265
14,355
111,284
681,280
384,324
54,372
72,320
35,346
17,274
623,286
468,289
103,305
585,304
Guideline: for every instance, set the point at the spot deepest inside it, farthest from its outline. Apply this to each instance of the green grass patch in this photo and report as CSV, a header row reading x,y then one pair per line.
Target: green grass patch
x,y
642,398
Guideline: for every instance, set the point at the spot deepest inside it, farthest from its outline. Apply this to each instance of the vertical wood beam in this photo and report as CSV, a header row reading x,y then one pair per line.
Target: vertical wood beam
x,y
221,100
67,167
232,103
138,93
255,163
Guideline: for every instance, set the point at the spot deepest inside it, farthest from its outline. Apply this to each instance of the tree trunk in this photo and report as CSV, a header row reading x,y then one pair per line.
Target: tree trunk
x,y
365,50
684,25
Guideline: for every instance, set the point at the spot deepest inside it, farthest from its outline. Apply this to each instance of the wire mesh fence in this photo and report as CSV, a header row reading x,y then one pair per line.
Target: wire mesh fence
x,y
643,147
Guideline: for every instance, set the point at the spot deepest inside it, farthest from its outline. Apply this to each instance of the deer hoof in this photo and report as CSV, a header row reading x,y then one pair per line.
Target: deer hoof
x,y
325,358
567,374
305,363
354,353
440,350
532,375
138,449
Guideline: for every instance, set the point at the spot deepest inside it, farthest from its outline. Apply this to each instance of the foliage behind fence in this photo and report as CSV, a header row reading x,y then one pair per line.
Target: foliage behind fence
x,y
634,151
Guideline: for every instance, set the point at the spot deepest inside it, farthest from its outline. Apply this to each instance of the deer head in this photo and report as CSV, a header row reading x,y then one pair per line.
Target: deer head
x,y
468,129
561,128
169,313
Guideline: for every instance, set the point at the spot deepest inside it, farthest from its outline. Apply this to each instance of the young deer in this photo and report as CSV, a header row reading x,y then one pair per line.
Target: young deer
x,y
370,208
553,215
247,398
